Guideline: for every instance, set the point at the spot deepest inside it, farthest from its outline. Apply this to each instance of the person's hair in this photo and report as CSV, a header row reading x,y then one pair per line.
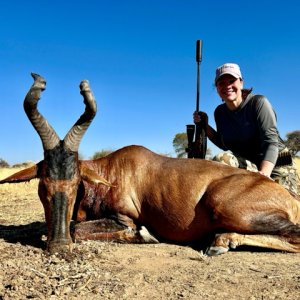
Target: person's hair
x,y
246,92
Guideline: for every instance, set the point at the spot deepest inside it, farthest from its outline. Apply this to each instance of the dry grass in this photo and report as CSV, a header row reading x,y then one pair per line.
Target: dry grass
x,y
20,188
16,198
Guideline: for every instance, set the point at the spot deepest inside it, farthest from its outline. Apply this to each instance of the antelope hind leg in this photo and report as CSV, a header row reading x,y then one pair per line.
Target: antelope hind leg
x,y
223,242
109,230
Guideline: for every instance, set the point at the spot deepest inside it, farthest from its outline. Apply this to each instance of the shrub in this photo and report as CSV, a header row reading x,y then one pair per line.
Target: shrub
x,y
101,153
3,163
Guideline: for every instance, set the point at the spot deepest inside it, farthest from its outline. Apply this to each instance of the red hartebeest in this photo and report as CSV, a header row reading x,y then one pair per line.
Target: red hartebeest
x,y
179,200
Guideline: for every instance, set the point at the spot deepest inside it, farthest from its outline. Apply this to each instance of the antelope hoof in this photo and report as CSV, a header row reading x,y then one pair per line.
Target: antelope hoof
x,y
216,250
147,237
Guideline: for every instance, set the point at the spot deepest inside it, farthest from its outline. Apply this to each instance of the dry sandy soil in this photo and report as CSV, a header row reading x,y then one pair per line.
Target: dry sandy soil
x,y
98,270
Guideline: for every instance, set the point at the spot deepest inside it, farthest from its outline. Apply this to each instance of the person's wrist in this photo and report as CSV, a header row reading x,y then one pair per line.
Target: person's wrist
x,y
264,173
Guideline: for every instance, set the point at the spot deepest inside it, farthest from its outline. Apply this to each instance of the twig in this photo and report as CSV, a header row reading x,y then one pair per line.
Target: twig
x,y
85,284
42,275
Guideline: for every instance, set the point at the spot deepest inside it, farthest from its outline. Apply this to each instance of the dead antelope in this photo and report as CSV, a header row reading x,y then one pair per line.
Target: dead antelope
x,y
178,200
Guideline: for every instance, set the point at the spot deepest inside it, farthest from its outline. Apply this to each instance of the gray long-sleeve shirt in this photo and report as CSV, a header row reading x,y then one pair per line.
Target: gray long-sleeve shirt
x,y
250,131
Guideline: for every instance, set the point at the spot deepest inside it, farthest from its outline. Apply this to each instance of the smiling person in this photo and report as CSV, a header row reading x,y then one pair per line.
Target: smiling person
x,y
247,129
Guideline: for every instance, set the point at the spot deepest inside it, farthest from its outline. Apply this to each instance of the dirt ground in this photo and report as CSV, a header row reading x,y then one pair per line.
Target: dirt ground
x,y
99,270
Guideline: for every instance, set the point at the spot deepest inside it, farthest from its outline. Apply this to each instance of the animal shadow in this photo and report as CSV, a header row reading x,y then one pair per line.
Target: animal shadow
x,y
29,234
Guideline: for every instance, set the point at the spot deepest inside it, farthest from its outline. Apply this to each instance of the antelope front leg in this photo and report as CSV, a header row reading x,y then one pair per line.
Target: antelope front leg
x,y
109,230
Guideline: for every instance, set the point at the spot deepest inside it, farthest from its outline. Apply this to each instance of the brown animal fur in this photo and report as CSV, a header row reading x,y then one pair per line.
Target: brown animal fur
x,y
178,200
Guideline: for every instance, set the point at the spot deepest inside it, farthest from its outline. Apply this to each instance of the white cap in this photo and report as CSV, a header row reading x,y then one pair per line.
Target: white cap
x,y
228,68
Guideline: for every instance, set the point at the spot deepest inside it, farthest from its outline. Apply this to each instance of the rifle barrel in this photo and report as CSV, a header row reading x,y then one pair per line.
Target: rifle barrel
x,y
198,50
198,60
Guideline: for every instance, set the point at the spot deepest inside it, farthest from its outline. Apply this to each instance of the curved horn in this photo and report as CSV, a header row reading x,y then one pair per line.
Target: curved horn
x,y
46,132
74,136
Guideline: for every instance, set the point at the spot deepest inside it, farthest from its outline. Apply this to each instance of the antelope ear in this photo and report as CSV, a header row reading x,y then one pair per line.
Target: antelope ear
x,y
23,175
92,177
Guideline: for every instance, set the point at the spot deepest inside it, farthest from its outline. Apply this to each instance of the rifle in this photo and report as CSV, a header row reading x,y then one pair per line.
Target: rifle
x,y
197,148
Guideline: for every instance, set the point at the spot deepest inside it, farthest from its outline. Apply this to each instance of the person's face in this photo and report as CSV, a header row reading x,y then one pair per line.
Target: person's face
x,y
230,88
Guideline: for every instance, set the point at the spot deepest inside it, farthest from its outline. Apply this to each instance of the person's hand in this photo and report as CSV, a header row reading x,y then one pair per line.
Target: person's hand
x,y
264,173
266,168
200,116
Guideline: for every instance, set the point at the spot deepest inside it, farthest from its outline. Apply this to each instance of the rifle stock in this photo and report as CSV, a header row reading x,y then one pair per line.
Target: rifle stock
x,y
197,148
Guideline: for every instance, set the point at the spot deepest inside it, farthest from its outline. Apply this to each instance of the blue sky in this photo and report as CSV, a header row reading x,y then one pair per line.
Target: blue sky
x,y
139,57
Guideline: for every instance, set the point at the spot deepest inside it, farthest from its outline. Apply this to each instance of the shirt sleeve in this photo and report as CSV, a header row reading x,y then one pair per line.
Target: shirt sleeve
x,y
267,125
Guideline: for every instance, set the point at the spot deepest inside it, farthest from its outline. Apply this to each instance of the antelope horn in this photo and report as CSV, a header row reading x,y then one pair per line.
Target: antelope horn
x,y
46,132
74,136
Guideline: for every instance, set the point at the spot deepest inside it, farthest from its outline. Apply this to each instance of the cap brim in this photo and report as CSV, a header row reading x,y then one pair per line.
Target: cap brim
x,y
227,73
